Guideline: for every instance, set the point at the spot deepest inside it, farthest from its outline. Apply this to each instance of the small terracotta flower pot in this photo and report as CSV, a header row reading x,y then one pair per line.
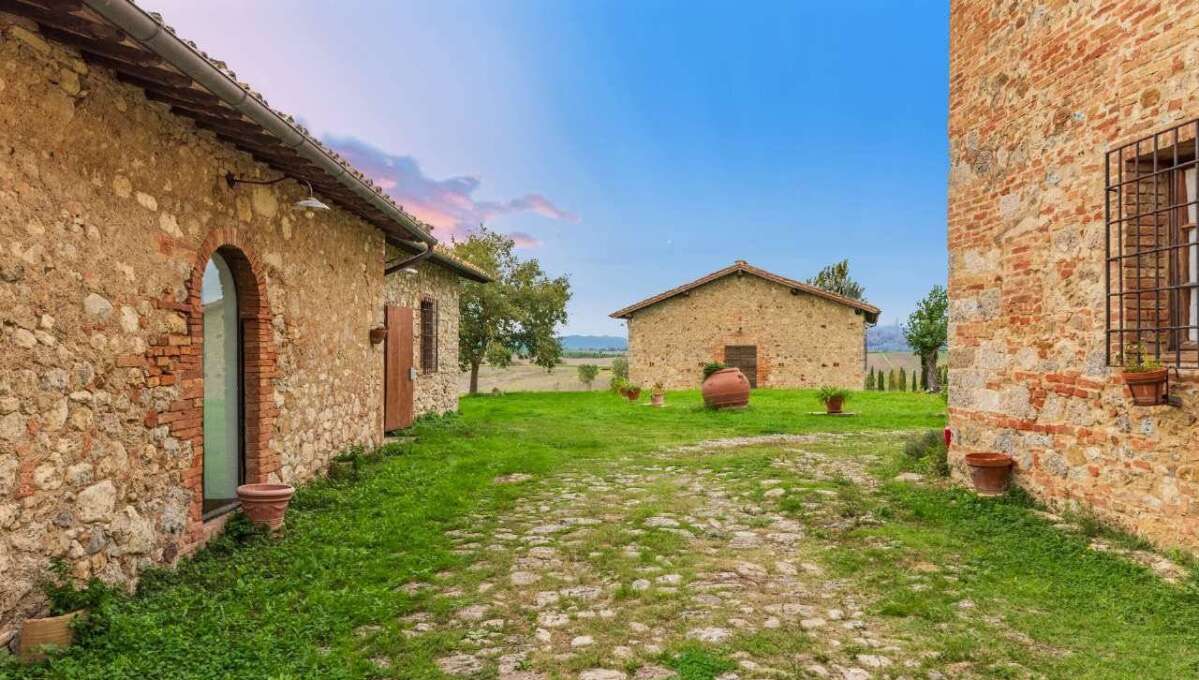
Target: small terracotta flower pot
x,y
834,405
378,335
726,388
990,472
36,634
657,399
633,393
1148,387
265,504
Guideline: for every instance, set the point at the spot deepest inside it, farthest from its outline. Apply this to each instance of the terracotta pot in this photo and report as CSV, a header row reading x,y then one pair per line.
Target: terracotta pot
x,y
657,399
633,393
834,405
1148,387
726,388
265,504
990,472
52,630
378,335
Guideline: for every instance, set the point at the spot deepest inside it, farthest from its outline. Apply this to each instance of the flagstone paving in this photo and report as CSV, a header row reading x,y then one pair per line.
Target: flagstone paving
x,y
596,573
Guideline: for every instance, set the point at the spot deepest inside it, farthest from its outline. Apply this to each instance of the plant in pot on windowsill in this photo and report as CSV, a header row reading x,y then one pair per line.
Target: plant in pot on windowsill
x,y
1145,376
832,398
69,608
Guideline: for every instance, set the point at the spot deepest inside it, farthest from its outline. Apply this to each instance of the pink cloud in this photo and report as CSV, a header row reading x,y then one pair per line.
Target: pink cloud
x,y
447,204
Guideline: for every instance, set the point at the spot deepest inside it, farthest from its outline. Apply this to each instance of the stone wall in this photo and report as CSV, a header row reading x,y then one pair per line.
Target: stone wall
x,y
803,340
434,392
1039,93
111,207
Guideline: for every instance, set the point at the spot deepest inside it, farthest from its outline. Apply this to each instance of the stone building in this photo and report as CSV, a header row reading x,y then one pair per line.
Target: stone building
x,y
778,331
168,330
1072,247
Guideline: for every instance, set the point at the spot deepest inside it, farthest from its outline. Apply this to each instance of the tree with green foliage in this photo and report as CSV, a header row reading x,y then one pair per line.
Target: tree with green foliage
x,y
835,279
915,387
903,379
518,312
927,330
891,380
870,379
587,373
881,385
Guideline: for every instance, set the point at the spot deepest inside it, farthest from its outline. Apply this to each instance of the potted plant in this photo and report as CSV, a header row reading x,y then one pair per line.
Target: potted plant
x,y
265,503
378,334
69,606
832,398
1145,376
990,472
657,396
632,392
724,387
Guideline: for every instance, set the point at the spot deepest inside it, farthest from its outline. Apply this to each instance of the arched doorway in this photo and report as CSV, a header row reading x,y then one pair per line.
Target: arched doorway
x,y
224,386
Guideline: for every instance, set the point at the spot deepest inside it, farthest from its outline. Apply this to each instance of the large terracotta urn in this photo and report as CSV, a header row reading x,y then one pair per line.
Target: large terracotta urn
x,y
265,504
726,388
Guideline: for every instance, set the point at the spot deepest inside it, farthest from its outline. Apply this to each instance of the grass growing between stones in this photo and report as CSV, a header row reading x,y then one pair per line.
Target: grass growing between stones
x,y
633,550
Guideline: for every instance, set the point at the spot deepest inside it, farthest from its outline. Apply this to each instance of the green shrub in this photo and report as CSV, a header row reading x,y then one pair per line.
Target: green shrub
x,y
620,368
587,373
618,384
711,367
929,451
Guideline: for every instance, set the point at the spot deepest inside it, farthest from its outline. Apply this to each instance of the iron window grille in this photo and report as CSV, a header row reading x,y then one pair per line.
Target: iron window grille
x,y
1152,273
428,336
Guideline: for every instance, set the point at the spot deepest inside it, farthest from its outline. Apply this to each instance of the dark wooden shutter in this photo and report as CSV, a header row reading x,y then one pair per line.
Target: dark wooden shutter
x,y
744,357
397,367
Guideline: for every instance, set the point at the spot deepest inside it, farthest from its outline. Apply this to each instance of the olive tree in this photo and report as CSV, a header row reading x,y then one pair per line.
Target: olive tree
x,y
926,331
518,312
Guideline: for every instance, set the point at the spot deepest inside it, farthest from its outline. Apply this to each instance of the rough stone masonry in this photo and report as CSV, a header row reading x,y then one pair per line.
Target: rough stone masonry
x,y
110,207
1038,93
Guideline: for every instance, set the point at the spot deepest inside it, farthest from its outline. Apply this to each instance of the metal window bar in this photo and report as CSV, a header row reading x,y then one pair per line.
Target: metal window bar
x,y
1148,242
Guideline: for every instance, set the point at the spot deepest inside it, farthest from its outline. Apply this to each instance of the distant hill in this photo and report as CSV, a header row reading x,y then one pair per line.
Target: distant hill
x,y
886,339
580,343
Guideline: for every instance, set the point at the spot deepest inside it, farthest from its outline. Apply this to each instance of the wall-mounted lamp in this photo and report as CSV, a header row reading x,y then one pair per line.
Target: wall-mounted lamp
x,y
310,203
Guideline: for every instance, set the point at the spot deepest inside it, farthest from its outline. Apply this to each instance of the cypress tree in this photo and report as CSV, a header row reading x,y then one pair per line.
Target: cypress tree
x,y
880,385
903,379
891,380
915,387
870,379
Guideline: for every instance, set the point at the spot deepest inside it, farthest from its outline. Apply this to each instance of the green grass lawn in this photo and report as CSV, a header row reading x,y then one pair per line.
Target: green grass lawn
x,y
297,607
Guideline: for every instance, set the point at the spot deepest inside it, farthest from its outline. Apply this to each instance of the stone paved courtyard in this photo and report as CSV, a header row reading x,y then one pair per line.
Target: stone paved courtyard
x,y
594,574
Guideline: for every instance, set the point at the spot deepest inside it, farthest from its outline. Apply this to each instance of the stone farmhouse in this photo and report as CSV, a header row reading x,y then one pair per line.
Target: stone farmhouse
x,y
1072,248
778,331
194,293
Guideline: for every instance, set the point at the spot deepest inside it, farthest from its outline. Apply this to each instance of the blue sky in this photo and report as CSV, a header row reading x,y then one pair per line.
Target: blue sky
x,y
630,145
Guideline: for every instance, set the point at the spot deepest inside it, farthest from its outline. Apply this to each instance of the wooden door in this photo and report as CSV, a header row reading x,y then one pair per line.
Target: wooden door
x,y
744,357
397,368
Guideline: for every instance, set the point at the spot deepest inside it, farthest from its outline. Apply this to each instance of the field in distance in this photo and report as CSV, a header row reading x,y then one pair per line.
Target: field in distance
x,y
523,376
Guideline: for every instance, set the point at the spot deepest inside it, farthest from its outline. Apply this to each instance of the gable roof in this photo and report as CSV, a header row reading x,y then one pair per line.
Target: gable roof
x,y
139,49
743,267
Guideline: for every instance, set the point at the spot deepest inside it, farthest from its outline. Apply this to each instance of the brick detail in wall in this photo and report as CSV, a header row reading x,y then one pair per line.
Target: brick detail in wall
x,y
177,359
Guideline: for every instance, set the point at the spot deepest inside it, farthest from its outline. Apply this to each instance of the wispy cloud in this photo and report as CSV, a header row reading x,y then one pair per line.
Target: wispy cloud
x,y
448,204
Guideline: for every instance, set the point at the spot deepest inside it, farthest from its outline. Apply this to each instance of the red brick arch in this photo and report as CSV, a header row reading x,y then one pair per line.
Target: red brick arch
x,y
258,362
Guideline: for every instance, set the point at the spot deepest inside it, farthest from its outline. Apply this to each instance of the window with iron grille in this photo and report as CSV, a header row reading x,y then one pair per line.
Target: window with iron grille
x,y
1153,248
428,335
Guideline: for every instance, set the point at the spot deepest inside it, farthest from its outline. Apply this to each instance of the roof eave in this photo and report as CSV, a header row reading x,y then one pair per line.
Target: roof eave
x,y
153,35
